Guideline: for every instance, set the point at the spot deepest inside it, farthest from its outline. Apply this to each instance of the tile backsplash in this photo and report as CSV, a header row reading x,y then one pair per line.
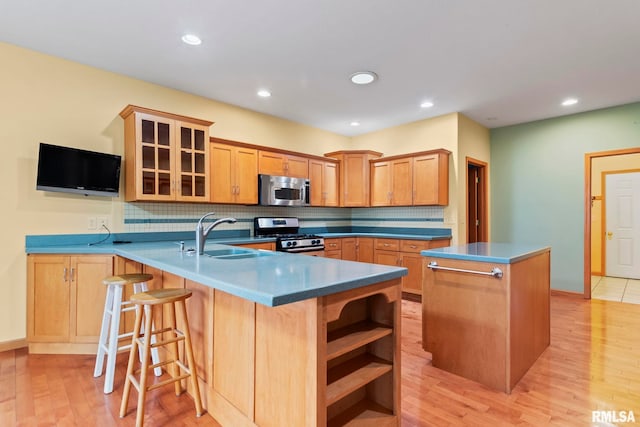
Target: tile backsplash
x,y
159,217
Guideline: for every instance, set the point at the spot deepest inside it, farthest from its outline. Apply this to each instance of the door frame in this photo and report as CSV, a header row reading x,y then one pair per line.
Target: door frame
x,y
482,196
587,210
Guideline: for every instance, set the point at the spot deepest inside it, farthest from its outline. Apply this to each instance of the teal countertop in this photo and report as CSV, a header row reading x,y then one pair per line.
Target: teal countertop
x,y
502,253
272,279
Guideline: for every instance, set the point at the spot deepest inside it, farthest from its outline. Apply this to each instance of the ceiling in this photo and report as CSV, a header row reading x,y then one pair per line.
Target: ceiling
x,y
499,62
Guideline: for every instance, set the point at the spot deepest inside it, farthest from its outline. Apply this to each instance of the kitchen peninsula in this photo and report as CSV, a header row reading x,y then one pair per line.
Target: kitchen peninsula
x,y
485,310
283,339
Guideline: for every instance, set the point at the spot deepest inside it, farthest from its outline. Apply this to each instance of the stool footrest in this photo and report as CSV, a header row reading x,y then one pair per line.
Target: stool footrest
x,y
168,381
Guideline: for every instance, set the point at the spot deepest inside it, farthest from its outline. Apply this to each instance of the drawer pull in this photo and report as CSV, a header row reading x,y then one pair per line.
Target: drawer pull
x,y
495,271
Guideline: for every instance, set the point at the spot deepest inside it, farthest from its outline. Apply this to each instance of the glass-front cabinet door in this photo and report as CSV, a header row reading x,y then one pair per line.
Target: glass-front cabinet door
x,y
193,162
156,141
166,156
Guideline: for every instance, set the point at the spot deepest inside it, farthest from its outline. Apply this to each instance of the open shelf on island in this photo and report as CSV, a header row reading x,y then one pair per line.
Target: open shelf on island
x,y
365,413
353,374
353,336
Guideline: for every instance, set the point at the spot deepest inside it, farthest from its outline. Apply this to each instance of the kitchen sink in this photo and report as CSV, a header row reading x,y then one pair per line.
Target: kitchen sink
x,y
226,252
237,253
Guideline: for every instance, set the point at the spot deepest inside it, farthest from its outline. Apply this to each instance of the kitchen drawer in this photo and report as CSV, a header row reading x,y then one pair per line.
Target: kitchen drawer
x,y
332,244
414,245
387,244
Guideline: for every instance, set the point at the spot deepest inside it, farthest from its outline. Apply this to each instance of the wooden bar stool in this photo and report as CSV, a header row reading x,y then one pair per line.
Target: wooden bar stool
x,y
110,335
144,303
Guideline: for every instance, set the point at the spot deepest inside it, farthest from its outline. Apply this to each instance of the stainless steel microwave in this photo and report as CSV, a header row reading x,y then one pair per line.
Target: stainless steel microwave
x,y
283,191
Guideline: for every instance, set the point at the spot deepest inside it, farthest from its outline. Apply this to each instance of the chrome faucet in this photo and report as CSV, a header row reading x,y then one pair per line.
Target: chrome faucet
x,y
202,232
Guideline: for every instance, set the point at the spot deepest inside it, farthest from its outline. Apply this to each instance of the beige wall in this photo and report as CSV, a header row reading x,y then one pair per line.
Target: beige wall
x,y
47,99
473,142
599,165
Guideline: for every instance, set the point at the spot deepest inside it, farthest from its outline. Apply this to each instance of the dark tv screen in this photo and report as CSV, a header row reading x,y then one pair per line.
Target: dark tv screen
x,y
72,170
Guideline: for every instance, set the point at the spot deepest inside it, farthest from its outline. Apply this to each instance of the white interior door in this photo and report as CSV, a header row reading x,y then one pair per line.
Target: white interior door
x,y
622,233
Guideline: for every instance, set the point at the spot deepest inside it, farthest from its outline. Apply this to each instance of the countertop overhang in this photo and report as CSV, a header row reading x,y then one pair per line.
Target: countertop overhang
x,y
501,253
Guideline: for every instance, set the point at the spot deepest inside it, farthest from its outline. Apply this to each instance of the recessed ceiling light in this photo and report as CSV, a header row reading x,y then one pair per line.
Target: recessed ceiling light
x,y
191,39
355,123
569,101
363,77
263,93
426,104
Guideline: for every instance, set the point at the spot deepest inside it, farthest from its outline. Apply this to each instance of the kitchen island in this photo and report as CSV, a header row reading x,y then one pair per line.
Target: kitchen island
x,y
283,339
485,310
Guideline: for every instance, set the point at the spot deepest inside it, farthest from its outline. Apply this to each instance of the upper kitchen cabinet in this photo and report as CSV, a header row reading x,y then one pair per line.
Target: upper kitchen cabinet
x,y
411,179
234,173
354,176
166,156
391,182
431,178
282,164
323,180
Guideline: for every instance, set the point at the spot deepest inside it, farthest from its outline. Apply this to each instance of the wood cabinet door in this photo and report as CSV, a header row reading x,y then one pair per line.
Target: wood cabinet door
x,y
297,167
365,249
271,163
386,257
349,249
88,295
355,179
48,298
331,192
191,172
381,183
412,282
401,182
316,182
246,176
431,180
221,172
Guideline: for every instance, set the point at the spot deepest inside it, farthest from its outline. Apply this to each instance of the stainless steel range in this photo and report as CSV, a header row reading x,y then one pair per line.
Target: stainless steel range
x,y
288,237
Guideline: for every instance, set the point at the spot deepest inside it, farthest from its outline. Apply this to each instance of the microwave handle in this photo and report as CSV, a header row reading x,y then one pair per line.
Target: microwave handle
x,y
304,194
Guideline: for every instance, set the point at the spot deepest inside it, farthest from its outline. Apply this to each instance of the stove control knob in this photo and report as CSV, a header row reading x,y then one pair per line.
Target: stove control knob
x,y
294,243
289,243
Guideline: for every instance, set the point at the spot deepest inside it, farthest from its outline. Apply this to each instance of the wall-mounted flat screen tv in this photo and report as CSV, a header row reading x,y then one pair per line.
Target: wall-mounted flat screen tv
x,y
72,170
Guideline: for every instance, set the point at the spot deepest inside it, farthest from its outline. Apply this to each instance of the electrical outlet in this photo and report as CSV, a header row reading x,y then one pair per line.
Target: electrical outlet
x,y
102,221
92,223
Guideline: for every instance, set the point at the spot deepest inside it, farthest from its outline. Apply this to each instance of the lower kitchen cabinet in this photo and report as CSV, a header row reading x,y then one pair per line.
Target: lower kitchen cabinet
x,y
333,248
65,300
350,248
406,253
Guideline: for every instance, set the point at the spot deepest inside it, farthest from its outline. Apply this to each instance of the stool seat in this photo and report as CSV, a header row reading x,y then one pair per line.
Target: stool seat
x,y
114,306
144,303
160,296
127,279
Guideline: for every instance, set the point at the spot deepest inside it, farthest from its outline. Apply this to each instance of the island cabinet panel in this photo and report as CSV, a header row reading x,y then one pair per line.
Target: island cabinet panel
x,y
234,352
200,309
488,329
65,297
289,387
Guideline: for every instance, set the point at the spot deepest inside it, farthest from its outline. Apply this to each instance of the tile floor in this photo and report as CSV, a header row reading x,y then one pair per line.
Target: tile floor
x,y
615,289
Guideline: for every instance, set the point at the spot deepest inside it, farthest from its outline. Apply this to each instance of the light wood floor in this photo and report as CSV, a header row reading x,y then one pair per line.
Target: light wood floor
x,y
593,363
